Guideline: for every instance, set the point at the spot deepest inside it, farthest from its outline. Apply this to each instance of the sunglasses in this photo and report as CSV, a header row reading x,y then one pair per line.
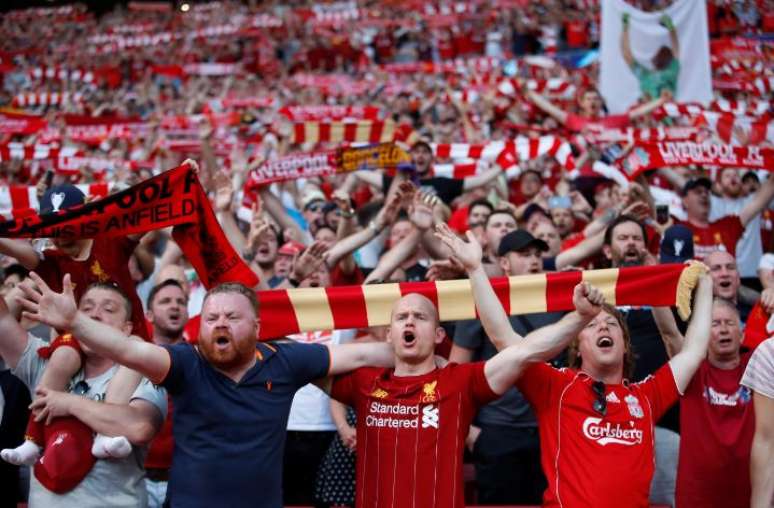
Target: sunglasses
x,y
314,208
81,388
600,403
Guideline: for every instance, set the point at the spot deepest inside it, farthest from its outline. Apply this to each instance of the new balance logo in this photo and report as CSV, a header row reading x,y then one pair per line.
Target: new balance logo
x,y
429,417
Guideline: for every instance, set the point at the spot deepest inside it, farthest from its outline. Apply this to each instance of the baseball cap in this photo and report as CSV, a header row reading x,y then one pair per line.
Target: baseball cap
x,y
312,196
691,184
421,143
290,248
517,240
67,458
677,245
61,197
531,210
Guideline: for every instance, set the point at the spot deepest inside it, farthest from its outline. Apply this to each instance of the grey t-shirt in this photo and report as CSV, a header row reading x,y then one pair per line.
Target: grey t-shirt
x,y
115,483
512,409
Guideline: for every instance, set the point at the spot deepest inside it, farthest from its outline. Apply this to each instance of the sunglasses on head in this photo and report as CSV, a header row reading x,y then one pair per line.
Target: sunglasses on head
x,y
600,403
81,388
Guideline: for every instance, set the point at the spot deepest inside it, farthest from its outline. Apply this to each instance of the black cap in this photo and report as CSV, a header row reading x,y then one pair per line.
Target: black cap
x,y
532,209
517,240
61,197
423,144
677,245
697,182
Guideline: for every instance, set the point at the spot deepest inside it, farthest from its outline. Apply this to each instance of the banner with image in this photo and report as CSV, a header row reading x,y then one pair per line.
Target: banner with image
x,y
644,53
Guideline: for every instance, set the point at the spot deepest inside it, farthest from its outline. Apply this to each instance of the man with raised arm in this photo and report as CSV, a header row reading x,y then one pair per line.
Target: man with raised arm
x,y
114,482
412,419
231,393
596,428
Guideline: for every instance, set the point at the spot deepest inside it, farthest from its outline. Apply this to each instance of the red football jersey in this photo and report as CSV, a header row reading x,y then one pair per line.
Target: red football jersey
x,y
160,449
411,433
108,262
592,460
717,423
719,235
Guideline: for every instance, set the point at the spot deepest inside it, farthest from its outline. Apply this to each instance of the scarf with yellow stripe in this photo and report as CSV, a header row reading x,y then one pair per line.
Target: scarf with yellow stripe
x,y
285,312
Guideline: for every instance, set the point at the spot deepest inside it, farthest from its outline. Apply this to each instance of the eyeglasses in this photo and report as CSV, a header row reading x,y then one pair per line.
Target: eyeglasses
x,y
81,388
600,404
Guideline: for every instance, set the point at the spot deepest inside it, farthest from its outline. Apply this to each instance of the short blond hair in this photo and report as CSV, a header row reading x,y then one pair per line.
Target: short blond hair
x,y
234,287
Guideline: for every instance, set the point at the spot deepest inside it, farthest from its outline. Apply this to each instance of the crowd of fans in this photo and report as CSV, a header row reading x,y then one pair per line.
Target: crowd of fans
x,y
104,101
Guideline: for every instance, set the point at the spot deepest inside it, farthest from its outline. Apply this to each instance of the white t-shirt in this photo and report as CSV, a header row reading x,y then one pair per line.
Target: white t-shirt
x,y
310,410
759,374
115,482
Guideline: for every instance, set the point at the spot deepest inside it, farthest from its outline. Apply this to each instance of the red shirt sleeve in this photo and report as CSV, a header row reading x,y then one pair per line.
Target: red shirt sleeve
x,y
344,388
755,329
480,390
661,390
572,240
536,384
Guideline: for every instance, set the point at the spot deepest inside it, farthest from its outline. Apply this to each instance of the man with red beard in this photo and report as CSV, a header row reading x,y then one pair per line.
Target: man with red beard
x,y
596,428
412,419
232,394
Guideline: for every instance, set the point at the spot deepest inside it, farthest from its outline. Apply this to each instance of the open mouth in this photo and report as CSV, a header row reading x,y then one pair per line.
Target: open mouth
x,y
725,284
604,342
222,340
725,341
263,250
409,337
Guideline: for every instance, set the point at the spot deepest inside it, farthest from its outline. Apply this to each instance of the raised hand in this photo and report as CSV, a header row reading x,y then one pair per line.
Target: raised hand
x,y
467,253
42,304
193,164
587,299
421,211
638,209
308,262
445,269
666,22
224,192
50,404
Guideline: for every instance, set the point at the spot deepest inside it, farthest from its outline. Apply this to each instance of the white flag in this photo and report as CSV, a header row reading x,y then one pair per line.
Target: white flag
x,y
642,53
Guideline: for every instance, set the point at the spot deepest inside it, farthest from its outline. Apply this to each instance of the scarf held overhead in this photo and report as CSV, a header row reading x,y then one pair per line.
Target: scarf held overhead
x,y
645,156
173,198
341,160
290,311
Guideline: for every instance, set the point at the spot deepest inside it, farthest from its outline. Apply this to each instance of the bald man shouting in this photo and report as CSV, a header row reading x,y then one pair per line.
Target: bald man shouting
x,y
412,419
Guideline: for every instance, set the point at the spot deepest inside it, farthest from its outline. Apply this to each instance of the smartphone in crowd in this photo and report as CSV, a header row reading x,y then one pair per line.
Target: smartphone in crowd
x,y
559,202
662,214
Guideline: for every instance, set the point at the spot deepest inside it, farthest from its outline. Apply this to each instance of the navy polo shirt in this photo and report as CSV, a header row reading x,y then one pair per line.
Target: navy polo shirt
x,y
230,437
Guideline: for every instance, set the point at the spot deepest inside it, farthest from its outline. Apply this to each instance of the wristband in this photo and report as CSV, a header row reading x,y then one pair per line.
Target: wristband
x,y
373,227
348,214
293,282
